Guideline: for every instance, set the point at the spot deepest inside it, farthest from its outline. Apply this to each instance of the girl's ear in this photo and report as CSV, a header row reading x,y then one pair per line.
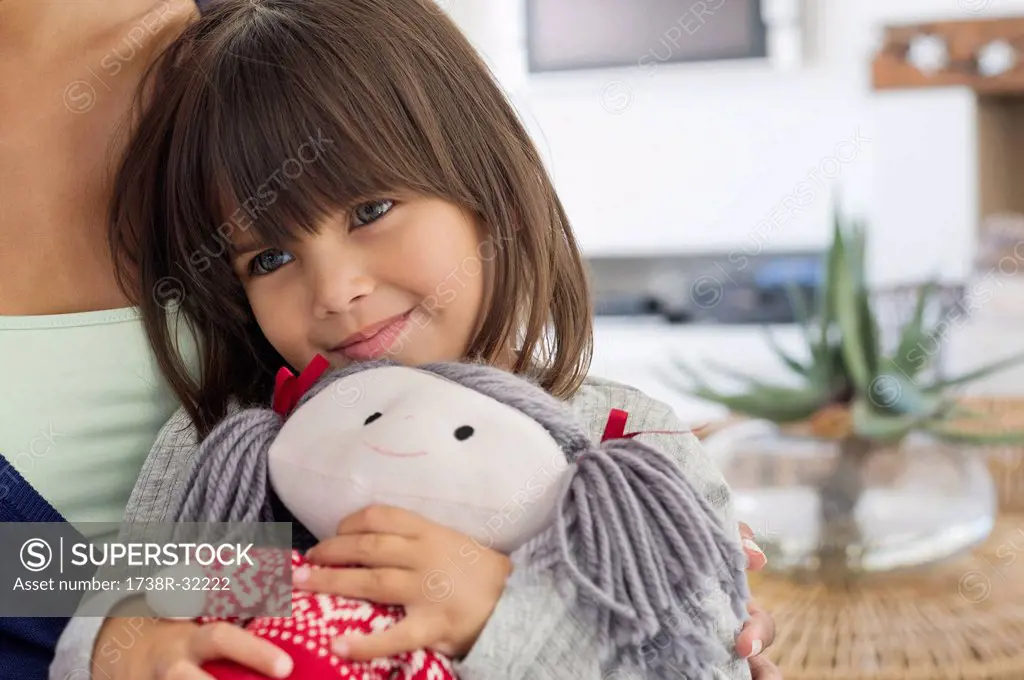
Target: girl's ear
x,y
228,479
647,552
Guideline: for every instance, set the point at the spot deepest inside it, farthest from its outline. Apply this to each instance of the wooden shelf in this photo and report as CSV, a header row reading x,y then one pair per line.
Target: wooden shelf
x,y
891,68
995,126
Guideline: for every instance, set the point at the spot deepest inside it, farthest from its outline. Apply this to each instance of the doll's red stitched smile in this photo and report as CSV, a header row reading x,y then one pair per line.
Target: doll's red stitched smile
x,y
394,454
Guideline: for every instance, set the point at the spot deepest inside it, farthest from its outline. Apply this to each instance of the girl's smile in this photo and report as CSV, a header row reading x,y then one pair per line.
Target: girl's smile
x,y
375,340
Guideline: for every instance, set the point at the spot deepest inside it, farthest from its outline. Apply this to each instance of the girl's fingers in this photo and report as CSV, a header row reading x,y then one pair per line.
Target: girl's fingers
x,y
408,635
767,623
368,550
756,559
763,669
226,641
383,585
757,634
383,519
184,670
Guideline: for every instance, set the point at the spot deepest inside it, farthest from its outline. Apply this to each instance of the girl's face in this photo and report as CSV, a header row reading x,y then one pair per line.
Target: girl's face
x,y
401,278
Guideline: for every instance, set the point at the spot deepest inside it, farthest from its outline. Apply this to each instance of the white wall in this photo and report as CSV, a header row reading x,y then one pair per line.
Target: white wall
x,y
740,155
704,156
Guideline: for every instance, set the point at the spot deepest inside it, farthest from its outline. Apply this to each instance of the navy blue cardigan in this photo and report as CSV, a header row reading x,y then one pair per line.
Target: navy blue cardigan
x,y
26,644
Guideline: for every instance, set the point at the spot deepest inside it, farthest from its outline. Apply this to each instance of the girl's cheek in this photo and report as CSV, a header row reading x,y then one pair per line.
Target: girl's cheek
x,y
273,320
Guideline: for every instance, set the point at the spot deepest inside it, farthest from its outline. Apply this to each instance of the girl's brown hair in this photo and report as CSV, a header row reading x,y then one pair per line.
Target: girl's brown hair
x,y
273,115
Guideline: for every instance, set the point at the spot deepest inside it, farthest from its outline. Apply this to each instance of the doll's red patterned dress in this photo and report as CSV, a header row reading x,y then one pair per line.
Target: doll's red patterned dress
x,y
316,620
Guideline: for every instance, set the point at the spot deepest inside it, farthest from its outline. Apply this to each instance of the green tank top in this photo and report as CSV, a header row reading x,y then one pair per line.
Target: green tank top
x,y
83,403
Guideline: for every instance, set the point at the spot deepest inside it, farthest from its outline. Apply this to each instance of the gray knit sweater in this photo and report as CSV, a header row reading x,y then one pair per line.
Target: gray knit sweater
x,y
532,633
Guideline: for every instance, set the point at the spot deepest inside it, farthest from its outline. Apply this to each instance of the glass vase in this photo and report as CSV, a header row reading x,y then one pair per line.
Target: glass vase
x,y
835,509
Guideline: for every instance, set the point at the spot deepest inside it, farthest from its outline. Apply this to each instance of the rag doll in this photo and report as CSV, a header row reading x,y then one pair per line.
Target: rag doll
x,y
494,456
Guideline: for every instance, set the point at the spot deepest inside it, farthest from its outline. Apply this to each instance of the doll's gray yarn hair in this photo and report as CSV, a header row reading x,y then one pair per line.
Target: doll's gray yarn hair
x,y
642,547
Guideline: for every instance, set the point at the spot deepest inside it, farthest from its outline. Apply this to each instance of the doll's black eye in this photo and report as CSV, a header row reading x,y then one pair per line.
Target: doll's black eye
x,y
463,433
373,417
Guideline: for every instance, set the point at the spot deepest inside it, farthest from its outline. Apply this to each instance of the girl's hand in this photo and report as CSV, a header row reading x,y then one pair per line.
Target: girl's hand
x,y
175,650
447,582
759,631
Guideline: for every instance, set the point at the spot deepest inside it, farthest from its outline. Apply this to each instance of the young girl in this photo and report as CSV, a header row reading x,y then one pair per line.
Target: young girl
x,y
343,177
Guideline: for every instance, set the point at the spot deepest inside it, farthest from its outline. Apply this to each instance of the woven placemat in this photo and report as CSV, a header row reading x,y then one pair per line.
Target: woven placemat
x,y
1005,462
962,619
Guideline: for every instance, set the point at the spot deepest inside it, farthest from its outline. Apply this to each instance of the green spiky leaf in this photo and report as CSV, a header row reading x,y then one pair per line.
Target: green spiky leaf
x,y
848,314
870,335
957,411
793,364
977,374
945,432
739,376
892,392
869,423
801,313
753,385
779,404
826,298
910,358
780,407
856,254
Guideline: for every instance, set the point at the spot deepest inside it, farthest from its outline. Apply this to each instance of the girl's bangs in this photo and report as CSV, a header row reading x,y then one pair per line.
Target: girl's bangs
x,y
283,152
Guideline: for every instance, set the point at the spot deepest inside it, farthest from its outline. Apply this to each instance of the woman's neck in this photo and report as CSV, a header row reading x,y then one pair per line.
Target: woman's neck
x,y
36,29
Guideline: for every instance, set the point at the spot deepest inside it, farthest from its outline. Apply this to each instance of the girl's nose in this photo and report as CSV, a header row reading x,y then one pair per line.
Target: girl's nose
x,y
338,282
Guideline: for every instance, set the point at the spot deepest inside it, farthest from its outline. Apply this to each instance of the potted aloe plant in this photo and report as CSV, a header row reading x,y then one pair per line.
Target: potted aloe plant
x,y
858,464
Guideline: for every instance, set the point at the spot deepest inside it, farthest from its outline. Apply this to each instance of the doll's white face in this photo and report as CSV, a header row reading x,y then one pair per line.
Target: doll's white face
x,y
404,437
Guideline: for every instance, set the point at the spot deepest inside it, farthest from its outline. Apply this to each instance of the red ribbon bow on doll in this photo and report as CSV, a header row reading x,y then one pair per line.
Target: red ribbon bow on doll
x,y
289,388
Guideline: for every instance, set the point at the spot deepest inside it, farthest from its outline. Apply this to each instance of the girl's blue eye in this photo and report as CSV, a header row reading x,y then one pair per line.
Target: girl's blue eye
x,y
269,261
372,210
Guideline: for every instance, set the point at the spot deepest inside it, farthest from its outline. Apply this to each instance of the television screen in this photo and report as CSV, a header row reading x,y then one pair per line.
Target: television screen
x,y
576,34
